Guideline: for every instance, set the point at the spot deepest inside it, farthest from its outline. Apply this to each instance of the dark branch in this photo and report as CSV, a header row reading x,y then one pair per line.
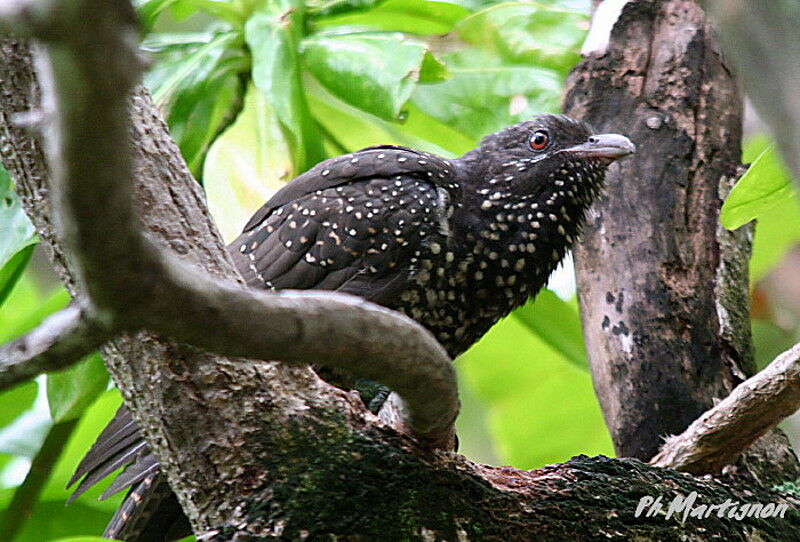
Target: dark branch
x,y
60,341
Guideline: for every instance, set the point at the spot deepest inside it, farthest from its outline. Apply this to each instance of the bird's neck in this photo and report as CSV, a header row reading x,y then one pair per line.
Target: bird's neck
x,y
532,231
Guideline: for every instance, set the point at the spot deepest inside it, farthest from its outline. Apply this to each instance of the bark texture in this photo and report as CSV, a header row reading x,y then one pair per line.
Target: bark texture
x,y
661,286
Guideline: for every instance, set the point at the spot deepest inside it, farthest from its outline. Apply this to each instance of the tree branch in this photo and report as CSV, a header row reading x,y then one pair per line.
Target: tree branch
x,y
723,433
61,340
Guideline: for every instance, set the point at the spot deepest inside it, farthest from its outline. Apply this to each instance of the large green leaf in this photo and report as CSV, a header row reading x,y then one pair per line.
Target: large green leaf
x,y
488,96
149,10
188,64
248,163
542,409
30,306
81,539
407,16
70,392
528,33
16,231
273,35
91,422
766,183
321,8
199,114
376,73
354,129
774,232
777,231
557,323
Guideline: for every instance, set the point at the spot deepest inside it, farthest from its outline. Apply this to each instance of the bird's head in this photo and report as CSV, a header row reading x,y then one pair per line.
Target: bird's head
x,y
551,159
549,147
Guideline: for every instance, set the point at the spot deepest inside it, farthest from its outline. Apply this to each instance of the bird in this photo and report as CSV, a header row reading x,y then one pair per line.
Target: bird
x,y
454,244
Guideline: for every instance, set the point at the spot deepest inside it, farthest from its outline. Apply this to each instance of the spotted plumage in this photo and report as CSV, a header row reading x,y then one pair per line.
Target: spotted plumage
x,y
454,244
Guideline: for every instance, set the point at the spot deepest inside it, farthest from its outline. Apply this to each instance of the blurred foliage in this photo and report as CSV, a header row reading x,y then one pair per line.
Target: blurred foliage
x,y
766,194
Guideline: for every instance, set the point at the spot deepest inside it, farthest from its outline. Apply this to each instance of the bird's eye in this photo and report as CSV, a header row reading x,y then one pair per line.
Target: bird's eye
x,y
539,140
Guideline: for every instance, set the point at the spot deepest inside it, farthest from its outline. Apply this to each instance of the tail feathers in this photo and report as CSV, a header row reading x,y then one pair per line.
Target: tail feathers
x,y
149,513
119,444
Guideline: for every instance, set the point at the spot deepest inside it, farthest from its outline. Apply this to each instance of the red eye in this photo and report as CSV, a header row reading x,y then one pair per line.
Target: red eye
x,y
539,140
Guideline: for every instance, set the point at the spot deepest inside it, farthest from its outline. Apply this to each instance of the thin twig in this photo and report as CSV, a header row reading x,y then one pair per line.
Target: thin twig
x,y
720,435
60,341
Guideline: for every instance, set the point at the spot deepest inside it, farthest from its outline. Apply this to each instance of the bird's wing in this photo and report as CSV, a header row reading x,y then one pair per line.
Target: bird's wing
x,y
359,238
372,162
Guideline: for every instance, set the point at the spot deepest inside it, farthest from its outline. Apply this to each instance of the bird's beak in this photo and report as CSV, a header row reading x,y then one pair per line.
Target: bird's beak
x,y
603,146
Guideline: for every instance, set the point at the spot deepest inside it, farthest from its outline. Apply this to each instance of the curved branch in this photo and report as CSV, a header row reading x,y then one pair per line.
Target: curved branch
x,y
723,433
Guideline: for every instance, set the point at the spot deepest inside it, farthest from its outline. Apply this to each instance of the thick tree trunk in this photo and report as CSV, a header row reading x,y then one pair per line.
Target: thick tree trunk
x,y
662,286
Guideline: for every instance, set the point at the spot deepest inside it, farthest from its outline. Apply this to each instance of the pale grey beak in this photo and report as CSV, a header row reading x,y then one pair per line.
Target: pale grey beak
x,y
603,146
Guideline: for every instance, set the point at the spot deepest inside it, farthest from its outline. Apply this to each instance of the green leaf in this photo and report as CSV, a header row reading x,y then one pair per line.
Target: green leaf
x,y
273,35
81,539
376,73
408,16
25,434
528,33
15,401
70,392
433,70
30,308
777,231
233,12
248,163
557,323
180,43
91,422
199,114
11,272
185,71
318,8
16,231
483,99
766,183
51,519
149,10
354,129
542,409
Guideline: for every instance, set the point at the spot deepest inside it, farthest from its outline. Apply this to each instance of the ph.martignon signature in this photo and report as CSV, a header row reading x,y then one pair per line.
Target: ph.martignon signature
x,y
688,507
